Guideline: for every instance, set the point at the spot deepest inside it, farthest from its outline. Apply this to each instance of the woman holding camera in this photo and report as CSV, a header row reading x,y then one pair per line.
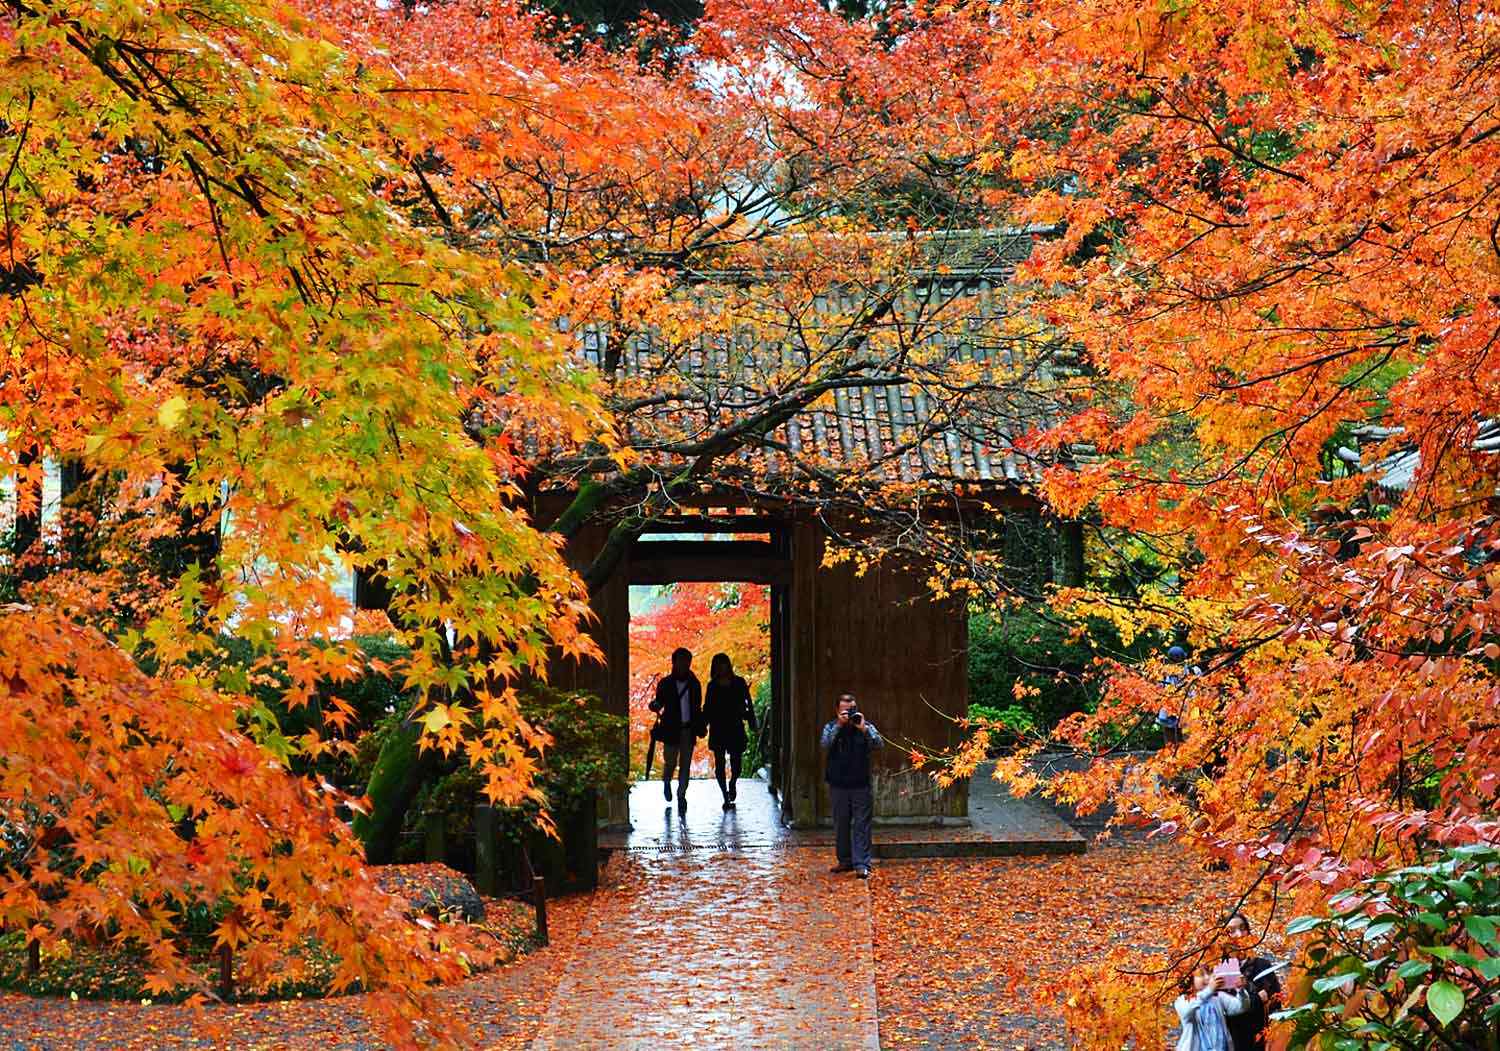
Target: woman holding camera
x,y
726,709
1247,1030
1203,1010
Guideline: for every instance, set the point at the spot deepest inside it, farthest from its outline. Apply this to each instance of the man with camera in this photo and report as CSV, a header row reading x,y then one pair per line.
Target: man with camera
x,y
848,740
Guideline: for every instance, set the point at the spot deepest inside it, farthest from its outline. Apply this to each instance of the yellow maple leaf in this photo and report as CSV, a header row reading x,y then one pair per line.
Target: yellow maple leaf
x,y
170,414
438,719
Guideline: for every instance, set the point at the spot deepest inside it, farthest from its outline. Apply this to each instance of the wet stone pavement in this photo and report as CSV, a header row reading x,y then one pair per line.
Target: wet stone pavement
x,y
720,929
658,826
716,928
999,825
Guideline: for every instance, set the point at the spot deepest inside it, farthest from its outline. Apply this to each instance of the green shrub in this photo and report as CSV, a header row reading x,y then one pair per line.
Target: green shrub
x,y
372,695
756,756
583,761
586,754
1408,959
1033,670
1007,724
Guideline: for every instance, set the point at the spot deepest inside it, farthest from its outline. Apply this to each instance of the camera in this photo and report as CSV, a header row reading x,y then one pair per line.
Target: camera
x,y
855,718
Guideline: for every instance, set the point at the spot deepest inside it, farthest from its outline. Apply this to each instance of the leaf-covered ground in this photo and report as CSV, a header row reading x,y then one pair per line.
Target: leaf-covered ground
x,y
963,951
95,997
966,950
106,972
502,1009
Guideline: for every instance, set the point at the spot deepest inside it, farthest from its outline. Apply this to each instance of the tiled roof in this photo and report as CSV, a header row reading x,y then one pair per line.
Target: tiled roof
x,y
1397,470
955,372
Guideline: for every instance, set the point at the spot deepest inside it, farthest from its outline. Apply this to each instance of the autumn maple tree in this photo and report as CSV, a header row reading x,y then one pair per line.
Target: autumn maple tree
x,y
285,284
218,315
1278,253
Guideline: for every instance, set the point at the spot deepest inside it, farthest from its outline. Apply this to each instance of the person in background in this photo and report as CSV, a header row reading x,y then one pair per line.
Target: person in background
x,y
679,701
1248,1029
1168,718
726,709
1202,1010
848,739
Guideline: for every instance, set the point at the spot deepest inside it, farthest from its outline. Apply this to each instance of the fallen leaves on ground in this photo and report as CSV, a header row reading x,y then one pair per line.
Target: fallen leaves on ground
x,y
501,1009
105,971
967,953
971,953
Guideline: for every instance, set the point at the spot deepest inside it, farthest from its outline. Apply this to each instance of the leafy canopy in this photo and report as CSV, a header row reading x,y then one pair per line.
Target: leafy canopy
x,y
217,302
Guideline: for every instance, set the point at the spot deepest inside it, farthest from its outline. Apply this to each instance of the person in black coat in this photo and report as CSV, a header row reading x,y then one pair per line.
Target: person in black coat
x,y
679,705
1248,1030
726,709
847,741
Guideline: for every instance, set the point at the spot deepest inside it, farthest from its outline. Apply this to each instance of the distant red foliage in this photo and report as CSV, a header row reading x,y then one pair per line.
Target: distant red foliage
x,y
707,619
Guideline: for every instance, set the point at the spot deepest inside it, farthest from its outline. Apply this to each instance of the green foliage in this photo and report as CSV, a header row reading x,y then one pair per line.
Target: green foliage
x,y
1013,722
585,755
372,695
1407,959
584,758
1028,670
755,756
112,972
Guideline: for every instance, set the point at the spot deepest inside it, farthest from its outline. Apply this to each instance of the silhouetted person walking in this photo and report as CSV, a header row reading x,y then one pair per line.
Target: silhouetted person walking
x,y
679,702
726,709
848,740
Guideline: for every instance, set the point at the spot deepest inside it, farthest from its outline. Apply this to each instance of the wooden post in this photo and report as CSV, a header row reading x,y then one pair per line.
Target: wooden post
x,y
434,839
226,973
1069,563
33,957
539,898
587,847
486,845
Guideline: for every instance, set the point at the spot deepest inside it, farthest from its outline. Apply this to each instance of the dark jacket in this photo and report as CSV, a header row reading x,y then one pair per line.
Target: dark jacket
x,y
1248,1030
726,708
849,751
667,704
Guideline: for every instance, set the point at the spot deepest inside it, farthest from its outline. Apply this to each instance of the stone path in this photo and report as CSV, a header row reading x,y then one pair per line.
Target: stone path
x,y
726,927
718,927
757,948
723,929
1000,825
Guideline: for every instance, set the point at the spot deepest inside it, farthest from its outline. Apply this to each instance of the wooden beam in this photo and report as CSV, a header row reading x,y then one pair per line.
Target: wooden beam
x,y
684,561
657,550
751,569
694,523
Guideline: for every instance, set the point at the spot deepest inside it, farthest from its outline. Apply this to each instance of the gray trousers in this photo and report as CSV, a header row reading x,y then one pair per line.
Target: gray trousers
x,y
679,754
853,813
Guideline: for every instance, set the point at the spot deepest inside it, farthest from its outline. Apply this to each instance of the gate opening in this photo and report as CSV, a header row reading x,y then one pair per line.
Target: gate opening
x,y
718,588
707,618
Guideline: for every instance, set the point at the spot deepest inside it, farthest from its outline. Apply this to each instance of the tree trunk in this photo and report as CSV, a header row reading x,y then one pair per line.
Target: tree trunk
x,y
400,771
